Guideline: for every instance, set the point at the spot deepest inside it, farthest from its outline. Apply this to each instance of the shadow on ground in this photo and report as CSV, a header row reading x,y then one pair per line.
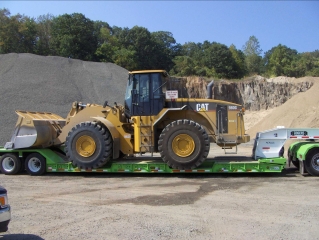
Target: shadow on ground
x,y
20,237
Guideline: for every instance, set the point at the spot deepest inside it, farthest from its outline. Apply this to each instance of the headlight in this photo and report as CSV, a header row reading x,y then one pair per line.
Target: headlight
x,y
4,200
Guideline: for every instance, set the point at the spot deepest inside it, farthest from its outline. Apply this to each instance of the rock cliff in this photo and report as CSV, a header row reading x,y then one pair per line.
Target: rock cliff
x,y
254,93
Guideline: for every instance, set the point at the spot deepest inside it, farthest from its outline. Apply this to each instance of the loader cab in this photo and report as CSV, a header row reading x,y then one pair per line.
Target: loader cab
x,y
144,93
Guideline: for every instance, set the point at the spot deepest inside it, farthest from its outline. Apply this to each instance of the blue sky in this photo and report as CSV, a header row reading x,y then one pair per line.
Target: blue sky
x,y
291,23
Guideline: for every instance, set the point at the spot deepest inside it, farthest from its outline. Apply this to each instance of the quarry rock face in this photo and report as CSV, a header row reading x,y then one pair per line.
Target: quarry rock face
x,y
254,94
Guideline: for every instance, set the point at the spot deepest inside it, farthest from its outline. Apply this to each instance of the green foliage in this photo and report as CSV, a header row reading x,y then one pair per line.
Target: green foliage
x,y
184,66
17,33
125,58
252,53
165,49
75,36
107,43
239,58
139,40
222,61
282,61
209,60
43,29
308,64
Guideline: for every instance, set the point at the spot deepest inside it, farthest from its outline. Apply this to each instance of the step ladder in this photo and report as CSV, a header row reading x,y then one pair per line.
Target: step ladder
x,y
146,136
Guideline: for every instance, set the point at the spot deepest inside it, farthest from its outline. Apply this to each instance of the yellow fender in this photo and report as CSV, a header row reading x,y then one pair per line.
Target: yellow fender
x,y
115,135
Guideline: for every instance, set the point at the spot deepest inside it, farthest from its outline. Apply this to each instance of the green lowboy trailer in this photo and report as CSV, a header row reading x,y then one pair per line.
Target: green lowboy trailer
x,y
267,157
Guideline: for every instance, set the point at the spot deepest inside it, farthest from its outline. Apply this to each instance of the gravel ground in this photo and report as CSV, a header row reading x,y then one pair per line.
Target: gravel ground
x,y
51,84
163,206
150,206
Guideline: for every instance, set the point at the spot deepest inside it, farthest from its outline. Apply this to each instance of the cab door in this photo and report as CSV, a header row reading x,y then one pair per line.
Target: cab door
x,y
147,96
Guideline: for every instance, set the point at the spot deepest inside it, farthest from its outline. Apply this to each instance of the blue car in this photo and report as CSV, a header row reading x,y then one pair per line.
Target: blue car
x,y
5,211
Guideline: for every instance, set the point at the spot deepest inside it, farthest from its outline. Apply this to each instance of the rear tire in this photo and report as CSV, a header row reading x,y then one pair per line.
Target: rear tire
x,y
89,145
184,144
312,163
10,164
35,164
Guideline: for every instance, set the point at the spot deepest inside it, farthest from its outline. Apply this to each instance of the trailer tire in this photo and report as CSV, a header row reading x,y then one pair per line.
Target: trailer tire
x,y
10,164
184,144
312,163
35,164
89,145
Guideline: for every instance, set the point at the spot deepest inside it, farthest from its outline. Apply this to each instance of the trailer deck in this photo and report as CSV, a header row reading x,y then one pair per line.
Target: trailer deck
x,y
55,162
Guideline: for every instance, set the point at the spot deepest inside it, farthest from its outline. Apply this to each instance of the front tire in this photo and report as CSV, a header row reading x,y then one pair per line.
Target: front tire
x,y
184,144
89,145
35,164
10,164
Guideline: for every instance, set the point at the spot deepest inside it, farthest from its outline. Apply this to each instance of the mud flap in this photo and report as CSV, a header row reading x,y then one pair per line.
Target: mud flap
x,y
302,169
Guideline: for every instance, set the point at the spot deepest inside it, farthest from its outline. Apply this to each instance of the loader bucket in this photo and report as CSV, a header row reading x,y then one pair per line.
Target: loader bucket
x,y
35,129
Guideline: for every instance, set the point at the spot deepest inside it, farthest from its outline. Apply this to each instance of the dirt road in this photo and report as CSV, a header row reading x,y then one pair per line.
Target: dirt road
x,y
163,206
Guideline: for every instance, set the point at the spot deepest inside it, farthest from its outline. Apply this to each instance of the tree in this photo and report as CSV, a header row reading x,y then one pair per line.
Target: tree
x,y
74,36
126,58
107,42
44,35
239,59
164,49
184,66
139,39
252,53
281,61
314,70
17,33
222,61
206,59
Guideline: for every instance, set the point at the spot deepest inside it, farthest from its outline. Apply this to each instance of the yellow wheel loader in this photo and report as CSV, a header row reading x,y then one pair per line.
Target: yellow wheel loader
x,y
157,117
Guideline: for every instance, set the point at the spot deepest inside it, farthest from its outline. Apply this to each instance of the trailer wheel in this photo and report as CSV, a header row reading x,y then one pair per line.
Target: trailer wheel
x,y
184,144
35,164
10,164
89,145
312,163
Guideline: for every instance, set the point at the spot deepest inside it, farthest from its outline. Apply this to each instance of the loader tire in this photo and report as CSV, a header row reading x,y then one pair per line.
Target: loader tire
x,y
10,164
183,144
88,145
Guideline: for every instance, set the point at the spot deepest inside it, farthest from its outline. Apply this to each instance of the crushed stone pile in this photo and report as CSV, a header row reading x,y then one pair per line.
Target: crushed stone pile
x,y
50,84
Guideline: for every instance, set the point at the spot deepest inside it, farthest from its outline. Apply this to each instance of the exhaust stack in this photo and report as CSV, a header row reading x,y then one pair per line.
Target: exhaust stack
x,y
210,90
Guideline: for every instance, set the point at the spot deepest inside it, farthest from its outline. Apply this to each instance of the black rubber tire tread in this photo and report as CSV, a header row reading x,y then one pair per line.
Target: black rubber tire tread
x,y
103,141
42,168
310,160
16,161
193,129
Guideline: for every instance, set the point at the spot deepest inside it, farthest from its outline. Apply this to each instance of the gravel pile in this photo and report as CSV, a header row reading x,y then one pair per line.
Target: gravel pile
x,y
51,84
